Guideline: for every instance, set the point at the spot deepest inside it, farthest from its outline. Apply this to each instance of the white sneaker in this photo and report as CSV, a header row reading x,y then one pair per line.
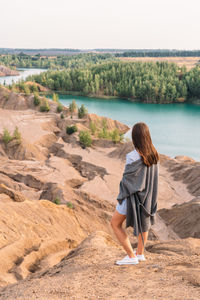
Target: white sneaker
x,y
127,261
140,257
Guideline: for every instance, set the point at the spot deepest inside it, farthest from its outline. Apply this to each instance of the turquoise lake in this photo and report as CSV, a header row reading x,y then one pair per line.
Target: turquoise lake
x,y
175,128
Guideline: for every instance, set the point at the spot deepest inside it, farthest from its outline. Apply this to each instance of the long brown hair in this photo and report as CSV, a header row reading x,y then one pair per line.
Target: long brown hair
x,y
143,144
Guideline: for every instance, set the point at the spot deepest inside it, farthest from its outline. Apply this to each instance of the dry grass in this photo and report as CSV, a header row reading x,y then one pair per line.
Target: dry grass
x,y
189,62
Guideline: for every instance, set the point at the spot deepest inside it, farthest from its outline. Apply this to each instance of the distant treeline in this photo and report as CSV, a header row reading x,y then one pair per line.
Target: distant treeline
x,y
159,82
117,52
56,51
44,51
160,53
23,60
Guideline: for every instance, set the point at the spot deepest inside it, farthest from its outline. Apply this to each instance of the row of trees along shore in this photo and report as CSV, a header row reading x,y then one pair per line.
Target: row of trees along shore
x,y
155,82
23,60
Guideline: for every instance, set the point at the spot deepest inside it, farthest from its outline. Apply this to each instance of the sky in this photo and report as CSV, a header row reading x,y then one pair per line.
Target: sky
x,y
90,24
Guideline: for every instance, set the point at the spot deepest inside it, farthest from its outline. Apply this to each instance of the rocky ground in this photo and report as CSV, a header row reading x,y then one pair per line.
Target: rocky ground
x,y
68,250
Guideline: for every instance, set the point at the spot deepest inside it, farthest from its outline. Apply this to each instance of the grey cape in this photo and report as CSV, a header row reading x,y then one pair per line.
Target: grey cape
x,y
139,185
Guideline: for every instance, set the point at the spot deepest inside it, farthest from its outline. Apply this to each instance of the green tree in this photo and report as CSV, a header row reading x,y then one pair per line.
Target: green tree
x,y
55,97
34,87
85,138
57,200
36,99
70,204
72,107
93,127
104,134
115,135
71,129
59,108
45,106
26,90
6,136
17,135
82,111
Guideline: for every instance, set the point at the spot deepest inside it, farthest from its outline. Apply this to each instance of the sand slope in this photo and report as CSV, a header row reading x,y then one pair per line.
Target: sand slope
x,y
88,272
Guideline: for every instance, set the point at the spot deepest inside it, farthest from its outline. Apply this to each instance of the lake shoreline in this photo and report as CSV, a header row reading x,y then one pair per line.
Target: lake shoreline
x,y
174,126
76,93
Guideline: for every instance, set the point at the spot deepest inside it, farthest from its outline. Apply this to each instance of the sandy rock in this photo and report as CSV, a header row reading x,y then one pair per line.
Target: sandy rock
x,y
39,86
121,151
187,247
22,150
26,227
2,152
111,124
89,271
186,171
86,169
182,158
38,132
38,234
15,101
16,196
184,218
5,71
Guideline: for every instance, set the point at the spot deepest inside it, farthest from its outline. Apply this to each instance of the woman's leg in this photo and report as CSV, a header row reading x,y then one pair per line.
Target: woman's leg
x,y
116,223
140,247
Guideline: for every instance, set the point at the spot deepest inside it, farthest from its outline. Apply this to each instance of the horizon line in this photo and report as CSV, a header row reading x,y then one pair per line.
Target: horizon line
x,y
136,49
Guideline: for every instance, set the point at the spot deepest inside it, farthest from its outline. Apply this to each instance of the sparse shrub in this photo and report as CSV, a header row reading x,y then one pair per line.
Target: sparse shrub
x,y
20,85
17,135
103,133
115,136
93,127
57,200
82,111
62,116
121,137
71,129
36,99
6,136
72,107
55,97
104,123
14,89
59,108
34,87
70,205
45,106
26,90
85,138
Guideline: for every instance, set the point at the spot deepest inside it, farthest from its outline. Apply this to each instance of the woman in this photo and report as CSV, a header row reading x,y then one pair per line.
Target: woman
x,y
137,199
